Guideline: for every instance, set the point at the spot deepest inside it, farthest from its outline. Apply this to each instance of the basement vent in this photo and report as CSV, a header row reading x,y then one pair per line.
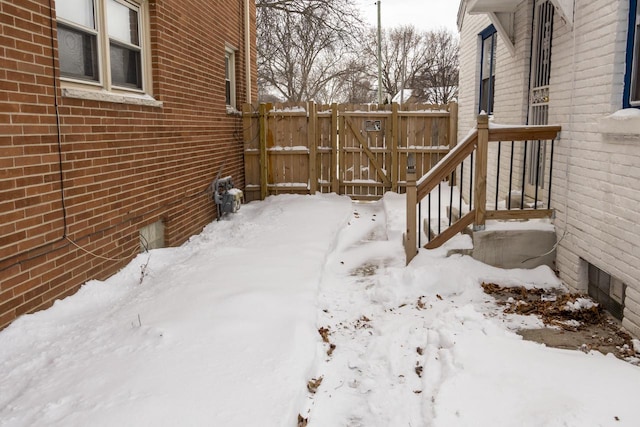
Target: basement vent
x,y
152,236
607,290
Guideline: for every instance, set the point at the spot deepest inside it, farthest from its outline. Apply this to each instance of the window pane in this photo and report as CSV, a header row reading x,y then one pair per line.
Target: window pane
x,y
488,57
635,75
78,11
125,66
229,78
78,53
486,103
122,22
604,280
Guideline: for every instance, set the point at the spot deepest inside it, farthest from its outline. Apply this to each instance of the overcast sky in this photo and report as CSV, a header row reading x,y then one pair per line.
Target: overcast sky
x,y
423,14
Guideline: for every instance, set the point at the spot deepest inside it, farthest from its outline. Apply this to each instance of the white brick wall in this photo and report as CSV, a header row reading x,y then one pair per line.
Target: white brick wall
x,y
596,179
510,96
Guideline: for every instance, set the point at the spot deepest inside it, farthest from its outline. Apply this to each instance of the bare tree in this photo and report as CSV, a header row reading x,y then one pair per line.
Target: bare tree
x,y
305,46
353,86
317,50
335,8
424,61
404,55
440,82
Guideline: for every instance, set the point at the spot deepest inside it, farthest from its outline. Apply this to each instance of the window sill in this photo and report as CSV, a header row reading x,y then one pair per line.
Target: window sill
x,y
622,125
118,98
232,111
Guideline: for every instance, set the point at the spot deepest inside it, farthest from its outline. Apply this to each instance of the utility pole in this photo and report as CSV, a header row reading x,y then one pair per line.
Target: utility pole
x,y
379,55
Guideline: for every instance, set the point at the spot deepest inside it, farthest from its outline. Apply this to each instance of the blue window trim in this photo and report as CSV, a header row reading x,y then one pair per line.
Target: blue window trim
x,y
633,5
485,34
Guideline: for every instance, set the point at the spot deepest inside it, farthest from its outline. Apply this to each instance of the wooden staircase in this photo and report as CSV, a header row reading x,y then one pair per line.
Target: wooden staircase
x,y
466,166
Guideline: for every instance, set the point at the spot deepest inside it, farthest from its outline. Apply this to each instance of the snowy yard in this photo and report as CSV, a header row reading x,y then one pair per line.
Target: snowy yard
x,y
300,307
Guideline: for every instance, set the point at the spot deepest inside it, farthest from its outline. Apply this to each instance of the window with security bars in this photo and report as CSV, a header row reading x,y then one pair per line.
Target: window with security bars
x,y
100,43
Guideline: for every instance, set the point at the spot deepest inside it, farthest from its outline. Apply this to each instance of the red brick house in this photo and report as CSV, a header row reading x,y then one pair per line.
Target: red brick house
x,y
115,116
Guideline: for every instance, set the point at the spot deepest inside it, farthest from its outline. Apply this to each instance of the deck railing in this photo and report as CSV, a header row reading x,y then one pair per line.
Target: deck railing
x,y
465,168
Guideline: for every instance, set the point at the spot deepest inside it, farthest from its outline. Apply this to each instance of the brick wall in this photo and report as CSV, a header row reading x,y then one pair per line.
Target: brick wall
x,y
596,182
120,166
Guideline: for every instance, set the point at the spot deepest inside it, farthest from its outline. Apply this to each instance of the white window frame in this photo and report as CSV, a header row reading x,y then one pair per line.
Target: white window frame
x,y
230,76
104,82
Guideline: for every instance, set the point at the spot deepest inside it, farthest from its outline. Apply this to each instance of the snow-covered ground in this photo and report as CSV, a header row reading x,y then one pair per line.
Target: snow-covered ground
x,y
301,306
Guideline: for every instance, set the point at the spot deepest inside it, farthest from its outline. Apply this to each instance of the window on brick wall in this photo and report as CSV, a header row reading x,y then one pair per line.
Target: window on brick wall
x,y
632,75
102,44
230,77
488,39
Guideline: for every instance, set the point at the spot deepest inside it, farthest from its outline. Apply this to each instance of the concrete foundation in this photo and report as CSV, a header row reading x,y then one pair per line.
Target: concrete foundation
x,y
515,248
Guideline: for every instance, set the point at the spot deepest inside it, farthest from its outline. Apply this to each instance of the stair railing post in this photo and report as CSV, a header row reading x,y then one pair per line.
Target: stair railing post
x,y
453,134
410,246
480,184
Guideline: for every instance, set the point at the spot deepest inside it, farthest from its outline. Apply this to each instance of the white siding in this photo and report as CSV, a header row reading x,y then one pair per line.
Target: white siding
x,y
596,179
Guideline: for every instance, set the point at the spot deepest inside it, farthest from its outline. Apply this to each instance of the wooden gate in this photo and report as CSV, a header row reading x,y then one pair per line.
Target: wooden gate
x,y
366,156
357,150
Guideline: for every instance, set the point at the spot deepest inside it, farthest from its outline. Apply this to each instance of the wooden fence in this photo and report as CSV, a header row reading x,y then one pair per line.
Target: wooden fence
x,y
357,150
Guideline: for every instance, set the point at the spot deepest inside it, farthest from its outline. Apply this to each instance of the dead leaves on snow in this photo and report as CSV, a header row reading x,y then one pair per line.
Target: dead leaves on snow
x,y
419,370
324,333
552,308
587,326
331,348
313,385
363,323
422,303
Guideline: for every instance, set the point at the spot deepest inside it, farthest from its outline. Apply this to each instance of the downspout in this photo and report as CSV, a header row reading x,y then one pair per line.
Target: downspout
x,y
247,52
58,131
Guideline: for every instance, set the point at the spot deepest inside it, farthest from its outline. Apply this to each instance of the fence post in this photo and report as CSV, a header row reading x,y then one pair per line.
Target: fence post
x,y
263,111
340,145
334,149
453,125
312,144
394,147
410,246
480,187
247,135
